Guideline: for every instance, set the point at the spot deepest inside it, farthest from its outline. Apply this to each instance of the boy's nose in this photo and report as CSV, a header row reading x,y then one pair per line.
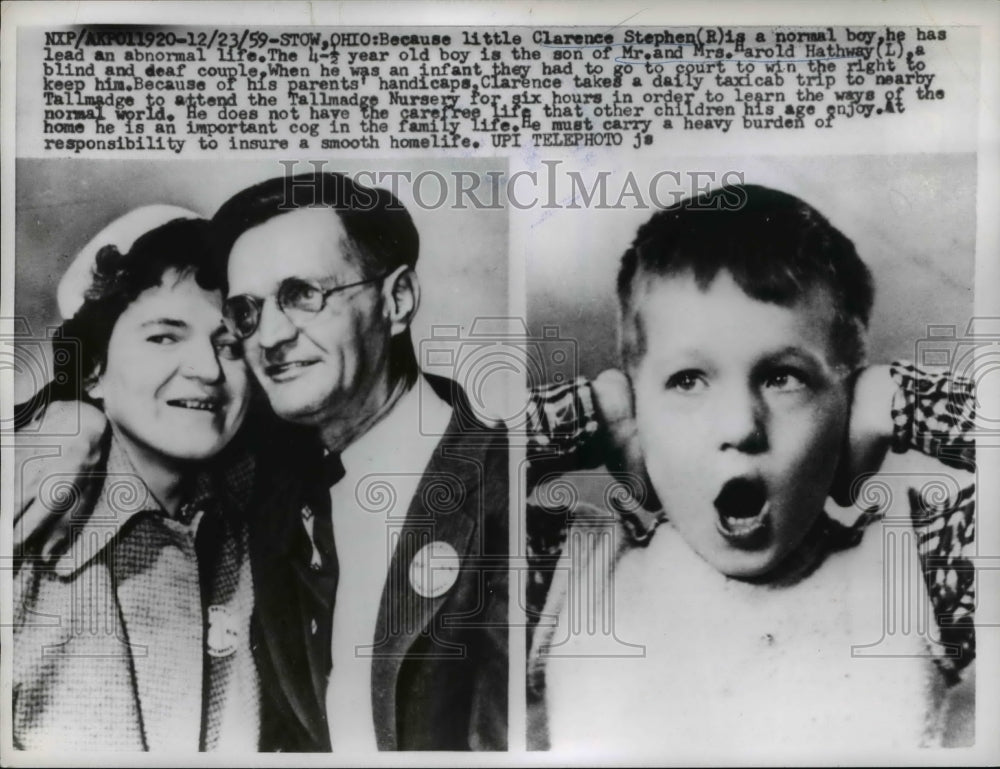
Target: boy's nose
x,y
741,418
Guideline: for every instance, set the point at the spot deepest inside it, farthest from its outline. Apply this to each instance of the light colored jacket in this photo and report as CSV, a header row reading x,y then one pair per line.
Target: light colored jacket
x,y
111,650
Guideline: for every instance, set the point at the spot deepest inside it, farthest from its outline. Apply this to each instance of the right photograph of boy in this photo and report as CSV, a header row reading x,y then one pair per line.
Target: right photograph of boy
x,y
745,611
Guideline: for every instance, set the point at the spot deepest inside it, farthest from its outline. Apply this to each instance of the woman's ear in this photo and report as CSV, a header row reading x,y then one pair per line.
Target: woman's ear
x,y
402,295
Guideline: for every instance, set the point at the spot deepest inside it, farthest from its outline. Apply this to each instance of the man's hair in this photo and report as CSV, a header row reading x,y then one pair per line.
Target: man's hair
x,y
80,344
381,235
776,247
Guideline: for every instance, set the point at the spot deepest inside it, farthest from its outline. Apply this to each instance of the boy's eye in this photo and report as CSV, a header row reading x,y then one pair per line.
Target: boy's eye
x,y
785,380
688,381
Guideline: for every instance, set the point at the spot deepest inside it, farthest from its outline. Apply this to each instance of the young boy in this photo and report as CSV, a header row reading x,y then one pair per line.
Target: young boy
x,y
752,620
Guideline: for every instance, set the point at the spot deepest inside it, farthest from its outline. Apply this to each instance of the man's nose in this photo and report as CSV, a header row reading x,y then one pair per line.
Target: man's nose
x,y
275,327
742,421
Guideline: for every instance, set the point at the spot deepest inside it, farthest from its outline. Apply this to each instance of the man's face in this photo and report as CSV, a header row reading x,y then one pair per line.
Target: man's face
x,y
741,409
323,367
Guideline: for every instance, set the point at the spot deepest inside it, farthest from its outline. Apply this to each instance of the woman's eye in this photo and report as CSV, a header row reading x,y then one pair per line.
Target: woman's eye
x,y
162,339
785,380
689,381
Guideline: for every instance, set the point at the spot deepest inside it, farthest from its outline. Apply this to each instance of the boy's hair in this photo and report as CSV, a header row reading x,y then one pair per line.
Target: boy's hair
x,y
775,246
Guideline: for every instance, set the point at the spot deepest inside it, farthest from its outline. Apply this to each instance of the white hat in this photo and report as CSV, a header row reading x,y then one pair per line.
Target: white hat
x,y
121,233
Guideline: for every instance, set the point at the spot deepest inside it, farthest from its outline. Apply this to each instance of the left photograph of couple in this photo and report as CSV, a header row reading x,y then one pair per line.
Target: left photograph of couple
x,y
249,514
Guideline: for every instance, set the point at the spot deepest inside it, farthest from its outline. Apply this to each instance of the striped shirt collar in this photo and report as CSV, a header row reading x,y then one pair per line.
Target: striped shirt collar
x,y
123,497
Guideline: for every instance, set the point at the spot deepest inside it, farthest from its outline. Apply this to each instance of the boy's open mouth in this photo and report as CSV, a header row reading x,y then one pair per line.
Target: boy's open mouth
x,y
743,511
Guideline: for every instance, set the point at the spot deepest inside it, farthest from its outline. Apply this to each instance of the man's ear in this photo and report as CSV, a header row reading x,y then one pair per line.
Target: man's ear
x,y
402,298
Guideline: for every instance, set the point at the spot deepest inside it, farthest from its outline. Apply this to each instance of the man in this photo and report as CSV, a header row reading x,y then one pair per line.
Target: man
x,y
377,627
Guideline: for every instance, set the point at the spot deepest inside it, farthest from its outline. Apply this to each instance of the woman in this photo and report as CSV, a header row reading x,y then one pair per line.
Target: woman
x,y
137,637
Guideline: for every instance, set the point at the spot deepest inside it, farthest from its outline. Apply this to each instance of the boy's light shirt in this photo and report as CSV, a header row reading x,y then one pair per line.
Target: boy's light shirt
x,y
746,669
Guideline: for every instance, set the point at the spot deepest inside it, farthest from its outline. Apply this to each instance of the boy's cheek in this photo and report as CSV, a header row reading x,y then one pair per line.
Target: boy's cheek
x,y
665,436
830,428
806,449
675,456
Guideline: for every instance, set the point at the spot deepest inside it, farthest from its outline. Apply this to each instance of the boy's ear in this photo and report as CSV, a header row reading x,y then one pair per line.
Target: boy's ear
x,y
402,297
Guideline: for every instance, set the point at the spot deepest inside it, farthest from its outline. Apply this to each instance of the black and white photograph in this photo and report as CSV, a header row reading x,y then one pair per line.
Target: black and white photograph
x,y
768,358
216,419
499,384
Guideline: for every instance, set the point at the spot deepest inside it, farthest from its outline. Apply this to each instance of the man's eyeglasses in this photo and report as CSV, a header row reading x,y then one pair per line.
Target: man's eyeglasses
x,y
300,300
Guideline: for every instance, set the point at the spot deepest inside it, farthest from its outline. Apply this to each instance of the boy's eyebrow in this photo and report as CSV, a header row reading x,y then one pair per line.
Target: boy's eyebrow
x,y
696,356
791,349
683,352
802,353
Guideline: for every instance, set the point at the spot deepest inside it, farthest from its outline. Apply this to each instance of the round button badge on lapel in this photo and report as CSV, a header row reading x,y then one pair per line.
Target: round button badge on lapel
x,y
223,631
434,569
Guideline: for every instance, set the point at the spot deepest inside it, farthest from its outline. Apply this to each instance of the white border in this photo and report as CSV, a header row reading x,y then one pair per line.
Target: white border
x,y
985,15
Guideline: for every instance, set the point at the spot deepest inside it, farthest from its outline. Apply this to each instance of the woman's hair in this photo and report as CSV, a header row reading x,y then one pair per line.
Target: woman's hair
x,y
80,344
